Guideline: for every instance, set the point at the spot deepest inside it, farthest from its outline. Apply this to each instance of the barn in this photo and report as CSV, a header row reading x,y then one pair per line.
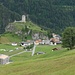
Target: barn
x,y
4,59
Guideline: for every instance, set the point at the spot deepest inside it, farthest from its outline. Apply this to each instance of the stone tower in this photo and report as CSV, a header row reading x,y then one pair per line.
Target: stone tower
x,y
23,18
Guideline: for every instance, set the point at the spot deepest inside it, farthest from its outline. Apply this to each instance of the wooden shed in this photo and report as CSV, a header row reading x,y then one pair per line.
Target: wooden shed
x,y
4,59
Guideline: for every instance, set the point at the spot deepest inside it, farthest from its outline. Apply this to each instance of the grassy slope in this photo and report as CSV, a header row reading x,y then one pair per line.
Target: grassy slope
x,y
52,63
9,38
34,27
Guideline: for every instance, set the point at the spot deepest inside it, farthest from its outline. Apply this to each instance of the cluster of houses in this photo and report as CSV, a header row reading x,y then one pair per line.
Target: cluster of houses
x,y
56,39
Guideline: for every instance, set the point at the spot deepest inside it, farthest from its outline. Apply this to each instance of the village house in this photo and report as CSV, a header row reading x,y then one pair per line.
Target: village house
x,y
46,42
4,59
28,43
56,39
14,44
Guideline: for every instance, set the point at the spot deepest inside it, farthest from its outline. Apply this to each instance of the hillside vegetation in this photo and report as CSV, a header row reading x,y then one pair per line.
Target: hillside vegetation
x,y
31,26
10,33
54,14
8,38
6,16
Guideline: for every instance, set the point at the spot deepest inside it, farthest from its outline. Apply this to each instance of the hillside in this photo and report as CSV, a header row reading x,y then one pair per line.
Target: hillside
x,y
24,27
53,14
6,16
9,38
31,26
18,31
52,63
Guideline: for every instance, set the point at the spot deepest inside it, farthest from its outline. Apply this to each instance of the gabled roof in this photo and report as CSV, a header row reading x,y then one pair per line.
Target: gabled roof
x,y
54,40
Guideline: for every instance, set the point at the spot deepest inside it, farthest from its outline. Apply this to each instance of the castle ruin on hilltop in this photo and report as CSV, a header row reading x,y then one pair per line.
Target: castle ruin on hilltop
x,y
22,20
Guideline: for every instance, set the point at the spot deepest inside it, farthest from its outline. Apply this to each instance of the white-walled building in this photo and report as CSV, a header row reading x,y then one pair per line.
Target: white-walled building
x,y
4,59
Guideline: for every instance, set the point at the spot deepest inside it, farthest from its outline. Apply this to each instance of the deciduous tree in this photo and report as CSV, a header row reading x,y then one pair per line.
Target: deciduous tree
x,y
69,38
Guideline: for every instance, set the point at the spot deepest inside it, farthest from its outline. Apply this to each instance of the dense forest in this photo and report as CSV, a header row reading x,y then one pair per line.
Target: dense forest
x,y
6,16
53,14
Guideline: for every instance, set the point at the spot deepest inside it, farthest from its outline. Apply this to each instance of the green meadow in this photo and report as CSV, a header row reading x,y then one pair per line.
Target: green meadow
x,y
30,25
60,62
8,38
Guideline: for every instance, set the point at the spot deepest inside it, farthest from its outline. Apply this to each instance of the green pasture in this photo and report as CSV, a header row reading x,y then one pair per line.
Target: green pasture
x,y
60,62
8,38
40,48
8,49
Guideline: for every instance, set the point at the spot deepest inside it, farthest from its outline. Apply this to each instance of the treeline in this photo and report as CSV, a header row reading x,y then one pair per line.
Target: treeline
x,y
53,14
7,16
64,2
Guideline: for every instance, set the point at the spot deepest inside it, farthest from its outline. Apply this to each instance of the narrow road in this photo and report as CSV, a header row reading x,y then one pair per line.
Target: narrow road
x,y
18,53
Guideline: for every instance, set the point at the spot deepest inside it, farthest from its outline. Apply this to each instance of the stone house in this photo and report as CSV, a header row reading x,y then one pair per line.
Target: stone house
x,y
46,42
4,59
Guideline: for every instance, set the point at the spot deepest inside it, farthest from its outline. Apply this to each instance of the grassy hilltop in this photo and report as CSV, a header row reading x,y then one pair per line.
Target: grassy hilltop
x,y
9,37
30,25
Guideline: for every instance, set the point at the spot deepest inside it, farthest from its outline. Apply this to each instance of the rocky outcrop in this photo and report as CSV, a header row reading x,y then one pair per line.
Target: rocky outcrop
x,y
36,36
10,28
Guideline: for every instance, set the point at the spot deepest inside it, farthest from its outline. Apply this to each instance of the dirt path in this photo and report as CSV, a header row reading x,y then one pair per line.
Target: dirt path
x,y
18,53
